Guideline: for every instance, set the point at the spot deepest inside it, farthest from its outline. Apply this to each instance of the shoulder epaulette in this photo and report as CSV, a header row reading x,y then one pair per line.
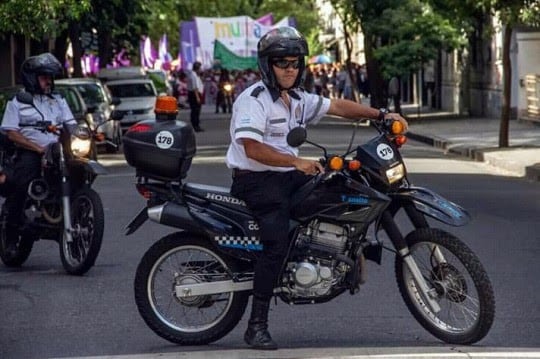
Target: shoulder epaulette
x,y
257,90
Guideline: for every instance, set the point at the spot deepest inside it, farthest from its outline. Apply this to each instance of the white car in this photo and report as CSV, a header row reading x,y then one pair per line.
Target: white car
x,y
100,104
138,98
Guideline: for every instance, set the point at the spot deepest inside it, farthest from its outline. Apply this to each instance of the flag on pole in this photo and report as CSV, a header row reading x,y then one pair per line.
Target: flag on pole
x,y
230,61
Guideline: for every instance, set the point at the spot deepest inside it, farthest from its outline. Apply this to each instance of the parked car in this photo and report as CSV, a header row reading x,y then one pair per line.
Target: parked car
x,y
137,96
100,104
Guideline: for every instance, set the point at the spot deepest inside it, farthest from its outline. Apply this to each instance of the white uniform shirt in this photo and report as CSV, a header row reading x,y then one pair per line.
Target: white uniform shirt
x,y
265,118
54,109
194,82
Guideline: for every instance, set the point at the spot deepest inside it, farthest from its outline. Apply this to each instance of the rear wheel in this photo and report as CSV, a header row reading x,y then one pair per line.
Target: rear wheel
x,y
457,282
182,258
87,220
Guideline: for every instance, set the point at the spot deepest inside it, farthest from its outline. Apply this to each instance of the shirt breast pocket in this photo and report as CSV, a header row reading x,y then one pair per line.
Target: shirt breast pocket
x,y
28,115
277,129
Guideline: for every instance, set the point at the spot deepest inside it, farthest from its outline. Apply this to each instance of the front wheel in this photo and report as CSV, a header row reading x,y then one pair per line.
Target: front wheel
x,y
87,221
457,281
15,247
182,258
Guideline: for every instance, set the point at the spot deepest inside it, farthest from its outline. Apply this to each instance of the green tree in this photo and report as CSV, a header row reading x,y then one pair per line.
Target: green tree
x,y
39,18
413,36
472,16
512,13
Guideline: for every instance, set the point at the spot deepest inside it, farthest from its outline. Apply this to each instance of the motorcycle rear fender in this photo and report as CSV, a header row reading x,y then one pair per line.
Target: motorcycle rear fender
x,y
432,205
91,166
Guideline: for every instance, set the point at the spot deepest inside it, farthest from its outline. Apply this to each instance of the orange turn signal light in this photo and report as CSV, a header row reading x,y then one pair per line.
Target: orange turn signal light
x,y
354,165
166,105
99,137
335,163
397,127
400,140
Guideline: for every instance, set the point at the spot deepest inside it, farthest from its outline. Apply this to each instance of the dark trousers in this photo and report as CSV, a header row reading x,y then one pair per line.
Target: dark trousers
x,y
27,167
195,107
268,195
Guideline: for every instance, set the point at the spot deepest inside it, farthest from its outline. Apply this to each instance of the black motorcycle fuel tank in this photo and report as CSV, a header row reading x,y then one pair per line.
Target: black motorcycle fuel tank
x,y
339,199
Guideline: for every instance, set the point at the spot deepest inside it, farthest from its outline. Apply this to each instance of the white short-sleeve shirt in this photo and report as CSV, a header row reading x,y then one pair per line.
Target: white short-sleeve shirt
x,y
19,117
260,114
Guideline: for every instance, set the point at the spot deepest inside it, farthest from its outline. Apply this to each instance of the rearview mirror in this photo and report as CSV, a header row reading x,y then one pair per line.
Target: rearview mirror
x,y
297,136
116,115
25,97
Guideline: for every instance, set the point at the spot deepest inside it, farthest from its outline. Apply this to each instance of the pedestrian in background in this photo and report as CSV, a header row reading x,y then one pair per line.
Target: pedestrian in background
x,y
195,93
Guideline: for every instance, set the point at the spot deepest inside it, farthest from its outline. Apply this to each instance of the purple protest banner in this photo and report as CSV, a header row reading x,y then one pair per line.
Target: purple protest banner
x,y
189,42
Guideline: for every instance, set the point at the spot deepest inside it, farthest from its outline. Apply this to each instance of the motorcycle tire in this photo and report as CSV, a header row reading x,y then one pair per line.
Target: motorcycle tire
x,y
186,258
88,222
462,287
13,257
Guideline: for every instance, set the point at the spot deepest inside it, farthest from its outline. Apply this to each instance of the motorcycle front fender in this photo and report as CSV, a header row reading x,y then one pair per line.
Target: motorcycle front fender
x,y
433,205
91,166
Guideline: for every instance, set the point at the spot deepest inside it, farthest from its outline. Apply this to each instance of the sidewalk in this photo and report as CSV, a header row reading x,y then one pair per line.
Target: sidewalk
x,y
478,138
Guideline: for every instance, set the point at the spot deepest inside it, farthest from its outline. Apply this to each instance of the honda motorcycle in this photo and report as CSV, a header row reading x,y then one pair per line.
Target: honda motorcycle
x,y
192,286
60,204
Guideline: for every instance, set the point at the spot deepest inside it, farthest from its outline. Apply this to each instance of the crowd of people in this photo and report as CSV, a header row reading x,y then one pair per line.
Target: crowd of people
x,y
222,87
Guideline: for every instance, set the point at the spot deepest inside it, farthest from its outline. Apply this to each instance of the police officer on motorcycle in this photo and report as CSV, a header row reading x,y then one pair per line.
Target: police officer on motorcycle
x,y
266,170
20,124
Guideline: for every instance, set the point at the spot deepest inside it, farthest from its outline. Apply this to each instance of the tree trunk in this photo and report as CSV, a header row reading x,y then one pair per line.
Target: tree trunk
x,y
376,83
507,89
105,48
349,48
76,47
60,49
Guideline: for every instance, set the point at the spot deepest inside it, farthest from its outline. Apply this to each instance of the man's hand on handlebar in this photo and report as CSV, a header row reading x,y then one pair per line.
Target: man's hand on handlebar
x,y
309,167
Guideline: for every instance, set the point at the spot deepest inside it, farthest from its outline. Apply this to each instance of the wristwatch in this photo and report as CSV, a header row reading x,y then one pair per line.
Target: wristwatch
x,y
382,113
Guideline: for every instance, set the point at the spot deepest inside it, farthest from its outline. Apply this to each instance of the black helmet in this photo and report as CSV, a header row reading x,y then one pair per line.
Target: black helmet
x,y
44,64
281,42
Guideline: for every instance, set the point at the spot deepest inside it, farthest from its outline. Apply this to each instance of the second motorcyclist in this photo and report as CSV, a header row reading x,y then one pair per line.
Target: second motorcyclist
x,y
20,125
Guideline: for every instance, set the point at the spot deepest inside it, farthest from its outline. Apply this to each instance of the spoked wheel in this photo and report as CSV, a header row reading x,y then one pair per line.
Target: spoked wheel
x,y
457,281
180,259
14,247
87,220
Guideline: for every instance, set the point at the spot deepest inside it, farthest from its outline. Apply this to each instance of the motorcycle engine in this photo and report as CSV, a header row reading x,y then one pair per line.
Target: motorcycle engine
x,y
314,268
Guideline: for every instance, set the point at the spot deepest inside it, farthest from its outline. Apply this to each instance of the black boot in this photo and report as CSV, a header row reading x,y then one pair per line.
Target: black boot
x,y
257,335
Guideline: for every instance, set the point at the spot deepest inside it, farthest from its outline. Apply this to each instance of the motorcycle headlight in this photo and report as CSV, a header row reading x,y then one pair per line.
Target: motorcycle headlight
x,y
227,87
395,173
80,147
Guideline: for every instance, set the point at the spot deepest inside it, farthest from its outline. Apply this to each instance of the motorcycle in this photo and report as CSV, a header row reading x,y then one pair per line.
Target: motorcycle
x,y
60,204
192,286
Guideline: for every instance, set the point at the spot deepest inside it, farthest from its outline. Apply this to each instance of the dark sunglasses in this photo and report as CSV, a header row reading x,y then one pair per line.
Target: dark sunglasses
x,y
285,64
